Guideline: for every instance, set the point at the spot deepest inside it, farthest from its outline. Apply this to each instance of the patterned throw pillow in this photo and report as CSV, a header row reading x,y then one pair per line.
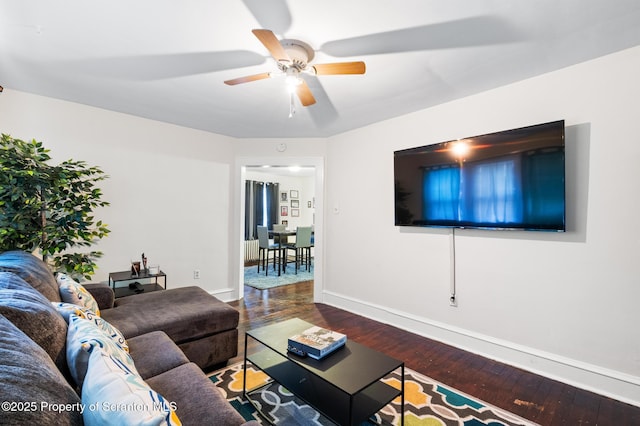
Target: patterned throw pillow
x,y
66,309
83,337
72,292
117,395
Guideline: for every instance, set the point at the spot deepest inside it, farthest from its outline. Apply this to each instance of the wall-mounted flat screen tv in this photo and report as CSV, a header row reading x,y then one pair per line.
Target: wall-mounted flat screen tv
x,y
514,179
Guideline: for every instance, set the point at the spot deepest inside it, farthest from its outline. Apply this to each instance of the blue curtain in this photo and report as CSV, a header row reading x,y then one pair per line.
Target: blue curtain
x,y
476,193
272,202
441,194
495,192
544,200
253,208
261,207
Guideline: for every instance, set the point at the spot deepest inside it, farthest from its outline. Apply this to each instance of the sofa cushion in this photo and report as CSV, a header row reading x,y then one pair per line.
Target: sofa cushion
x,y
32,313
32,270
73,292
212,351
196,398
83,337
120,396
185,314
66,309
154,353
103,294
29,376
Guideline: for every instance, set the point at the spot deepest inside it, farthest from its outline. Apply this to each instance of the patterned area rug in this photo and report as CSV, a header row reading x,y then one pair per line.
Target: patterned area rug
x,y
427,402
263,282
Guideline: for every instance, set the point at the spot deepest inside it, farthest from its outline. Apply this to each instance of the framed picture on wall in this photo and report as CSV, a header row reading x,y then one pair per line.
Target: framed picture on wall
x,y
283,196
285,222
294,193
295,204
284,211
295,212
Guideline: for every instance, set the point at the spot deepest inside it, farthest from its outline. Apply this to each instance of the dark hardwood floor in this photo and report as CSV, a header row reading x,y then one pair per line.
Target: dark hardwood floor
x,y
533,397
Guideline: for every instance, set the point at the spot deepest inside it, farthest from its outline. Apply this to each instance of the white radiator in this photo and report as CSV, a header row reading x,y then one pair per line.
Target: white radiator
x,y
251,250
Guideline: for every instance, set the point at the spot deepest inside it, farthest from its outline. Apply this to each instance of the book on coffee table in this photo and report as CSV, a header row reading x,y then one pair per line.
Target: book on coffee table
x,y
316,342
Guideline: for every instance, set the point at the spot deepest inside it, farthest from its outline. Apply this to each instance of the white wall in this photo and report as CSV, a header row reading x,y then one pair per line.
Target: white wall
x,y
564,305
169,186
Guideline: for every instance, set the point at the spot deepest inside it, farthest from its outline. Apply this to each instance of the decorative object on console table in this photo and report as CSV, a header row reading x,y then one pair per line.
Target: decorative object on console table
x,y
132,288
316,342
135,268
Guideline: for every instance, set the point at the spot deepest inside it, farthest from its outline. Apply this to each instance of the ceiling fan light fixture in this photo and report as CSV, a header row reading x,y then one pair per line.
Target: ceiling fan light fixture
x,y
292,79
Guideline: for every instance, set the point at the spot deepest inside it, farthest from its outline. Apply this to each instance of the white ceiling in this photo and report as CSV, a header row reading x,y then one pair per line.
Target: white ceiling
x,y
167,59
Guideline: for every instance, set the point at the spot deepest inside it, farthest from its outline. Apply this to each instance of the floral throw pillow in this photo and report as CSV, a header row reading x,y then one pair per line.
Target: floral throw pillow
x,y
66,309
73,292
128,398
83,337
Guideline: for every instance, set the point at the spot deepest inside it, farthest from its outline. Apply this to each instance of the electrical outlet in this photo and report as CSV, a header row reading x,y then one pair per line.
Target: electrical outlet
x,y
196,274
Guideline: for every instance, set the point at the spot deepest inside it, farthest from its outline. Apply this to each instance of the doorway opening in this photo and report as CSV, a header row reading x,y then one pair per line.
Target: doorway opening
x,y
299,185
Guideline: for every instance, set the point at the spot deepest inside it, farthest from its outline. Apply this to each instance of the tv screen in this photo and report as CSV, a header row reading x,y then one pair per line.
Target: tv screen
x,y
514,179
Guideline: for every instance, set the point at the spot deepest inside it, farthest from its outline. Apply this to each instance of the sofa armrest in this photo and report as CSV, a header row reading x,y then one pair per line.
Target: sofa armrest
x,y
103,294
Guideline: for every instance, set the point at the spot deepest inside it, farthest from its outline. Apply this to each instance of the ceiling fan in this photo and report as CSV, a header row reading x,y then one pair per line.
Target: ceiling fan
x,y
293,57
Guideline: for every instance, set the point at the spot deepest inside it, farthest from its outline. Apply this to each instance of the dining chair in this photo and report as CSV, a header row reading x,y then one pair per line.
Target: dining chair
x,y
265,247
279,238
301,248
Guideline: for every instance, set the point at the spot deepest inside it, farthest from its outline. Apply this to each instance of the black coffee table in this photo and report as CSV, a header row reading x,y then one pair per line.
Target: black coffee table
x,y
345,386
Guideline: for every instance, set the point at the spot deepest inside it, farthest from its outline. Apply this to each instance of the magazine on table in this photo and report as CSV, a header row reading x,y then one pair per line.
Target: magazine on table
x,y
316,342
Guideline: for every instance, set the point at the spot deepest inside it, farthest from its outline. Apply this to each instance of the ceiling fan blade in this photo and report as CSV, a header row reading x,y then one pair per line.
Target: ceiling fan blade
x,y
324,113
247,79
304,93
465,32
271,42
272,14
163,66
340,68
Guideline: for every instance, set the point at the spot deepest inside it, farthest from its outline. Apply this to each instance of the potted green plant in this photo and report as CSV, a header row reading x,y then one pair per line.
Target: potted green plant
x,y
49,208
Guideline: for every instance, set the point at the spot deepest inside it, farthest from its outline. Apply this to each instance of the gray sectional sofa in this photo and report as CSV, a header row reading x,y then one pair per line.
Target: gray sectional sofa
x,y
171,336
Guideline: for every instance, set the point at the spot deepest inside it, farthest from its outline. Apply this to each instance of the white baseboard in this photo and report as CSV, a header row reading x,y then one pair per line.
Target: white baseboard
x,y
225,294
614,384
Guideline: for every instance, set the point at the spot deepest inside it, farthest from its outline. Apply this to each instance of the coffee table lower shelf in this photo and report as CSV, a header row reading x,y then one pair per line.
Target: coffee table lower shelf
x,y
332,402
